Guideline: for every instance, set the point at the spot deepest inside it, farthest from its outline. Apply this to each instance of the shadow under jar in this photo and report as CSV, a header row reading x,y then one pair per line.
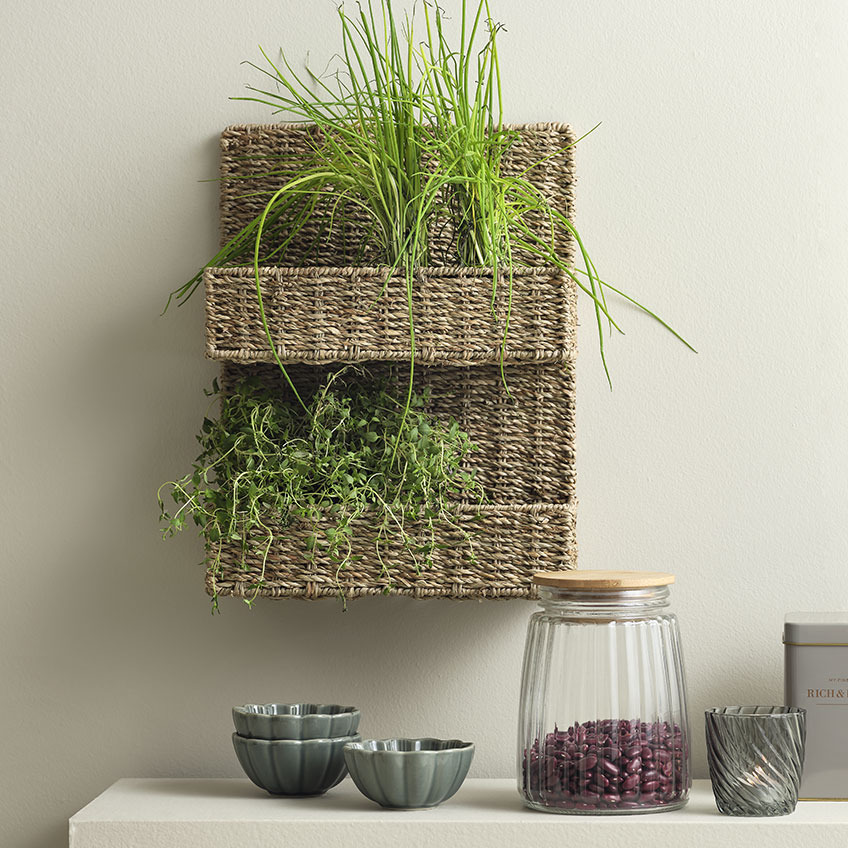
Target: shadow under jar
x,y
603,725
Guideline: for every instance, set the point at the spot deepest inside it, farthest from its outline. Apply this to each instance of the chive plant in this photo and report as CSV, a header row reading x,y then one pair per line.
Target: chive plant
x,y
412,131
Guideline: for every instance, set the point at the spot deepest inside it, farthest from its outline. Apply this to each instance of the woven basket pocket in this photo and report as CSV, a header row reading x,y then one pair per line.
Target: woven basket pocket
x,y
509,544
327,307
319,315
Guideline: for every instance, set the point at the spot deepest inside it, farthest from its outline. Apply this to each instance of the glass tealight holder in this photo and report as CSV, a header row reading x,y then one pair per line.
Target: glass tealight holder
x,y
756,756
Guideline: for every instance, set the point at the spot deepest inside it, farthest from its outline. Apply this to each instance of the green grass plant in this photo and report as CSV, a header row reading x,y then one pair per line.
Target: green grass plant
x,y
412,132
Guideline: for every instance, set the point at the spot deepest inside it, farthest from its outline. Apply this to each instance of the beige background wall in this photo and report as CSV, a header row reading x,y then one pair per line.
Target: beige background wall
x,y
716,189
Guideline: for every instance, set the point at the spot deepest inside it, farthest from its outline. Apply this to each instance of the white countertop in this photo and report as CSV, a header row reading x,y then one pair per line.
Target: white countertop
x,y
233,813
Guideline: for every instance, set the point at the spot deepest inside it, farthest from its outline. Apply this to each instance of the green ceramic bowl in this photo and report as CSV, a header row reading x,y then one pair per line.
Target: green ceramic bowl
x,y
295,721
408,774
293,766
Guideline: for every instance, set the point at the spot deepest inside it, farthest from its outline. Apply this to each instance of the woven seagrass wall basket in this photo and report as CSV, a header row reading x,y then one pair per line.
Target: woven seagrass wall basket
x,y
314,306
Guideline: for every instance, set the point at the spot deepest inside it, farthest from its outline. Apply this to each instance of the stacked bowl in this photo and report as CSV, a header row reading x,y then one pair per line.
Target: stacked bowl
x,y
294,749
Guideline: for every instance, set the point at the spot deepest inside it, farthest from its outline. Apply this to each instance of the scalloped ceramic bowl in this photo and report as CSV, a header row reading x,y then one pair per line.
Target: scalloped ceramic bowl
x,y
408,774
293,766
295,721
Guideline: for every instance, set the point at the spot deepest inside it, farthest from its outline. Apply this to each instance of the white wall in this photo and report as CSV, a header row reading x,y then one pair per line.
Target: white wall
x,y
716,190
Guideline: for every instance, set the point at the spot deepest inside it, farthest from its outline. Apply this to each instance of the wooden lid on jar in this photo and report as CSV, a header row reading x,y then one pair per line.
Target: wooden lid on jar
x,y
602,579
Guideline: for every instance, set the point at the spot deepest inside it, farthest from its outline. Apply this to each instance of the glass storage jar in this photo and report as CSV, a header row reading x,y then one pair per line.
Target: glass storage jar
x,y
603,727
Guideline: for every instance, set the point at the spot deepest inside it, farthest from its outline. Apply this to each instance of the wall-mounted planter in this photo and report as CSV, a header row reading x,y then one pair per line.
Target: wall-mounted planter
x,y
326,312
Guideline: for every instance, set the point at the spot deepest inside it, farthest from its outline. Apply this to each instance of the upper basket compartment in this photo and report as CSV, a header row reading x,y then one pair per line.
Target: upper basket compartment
x,y
328,305
351,314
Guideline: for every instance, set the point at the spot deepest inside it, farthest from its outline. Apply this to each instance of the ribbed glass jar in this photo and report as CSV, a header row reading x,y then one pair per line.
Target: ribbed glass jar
x,y
603,727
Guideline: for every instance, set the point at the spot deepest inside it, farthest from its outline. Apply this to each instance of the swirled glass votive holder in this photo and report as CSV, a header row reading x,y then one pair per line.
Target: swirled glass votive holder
x,y
756,755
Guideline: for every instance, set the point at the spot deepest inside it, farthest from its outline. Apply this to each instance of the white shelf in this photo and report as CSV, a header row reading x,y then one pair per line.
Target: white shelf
x,y
156,813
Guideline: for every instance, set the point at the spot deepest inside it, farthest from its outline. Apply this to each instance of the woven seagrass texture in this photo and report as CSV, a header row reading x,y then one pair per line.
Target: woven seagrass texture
x,y
509,544
260,158
352,314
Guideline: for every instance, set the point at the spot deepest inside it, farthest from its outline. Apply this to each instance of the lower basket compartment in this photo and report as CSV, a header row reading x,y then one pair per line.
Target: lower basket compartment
x,y
509,543
522,420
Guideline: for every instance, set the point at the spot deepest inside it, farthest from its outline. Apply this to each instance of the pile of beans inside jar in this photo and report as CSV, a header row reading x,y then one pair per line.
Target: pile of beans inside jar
x,y
608,765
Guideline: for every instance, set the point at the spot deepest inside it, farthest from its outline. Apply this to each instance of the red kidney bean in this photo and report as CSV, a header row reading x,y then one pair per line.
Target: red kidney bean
x,y
607,765
630,782
634,765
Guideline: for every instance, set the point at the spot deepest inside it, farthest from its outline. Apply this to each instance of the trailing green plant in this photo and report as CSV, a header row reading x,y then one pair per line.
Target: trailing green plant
x,y
264,465
411,134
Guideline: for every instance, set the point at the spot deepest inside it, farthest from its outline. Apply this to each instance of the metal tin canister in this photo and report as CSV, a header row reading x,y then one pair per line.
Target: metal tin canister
x,y
816,678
